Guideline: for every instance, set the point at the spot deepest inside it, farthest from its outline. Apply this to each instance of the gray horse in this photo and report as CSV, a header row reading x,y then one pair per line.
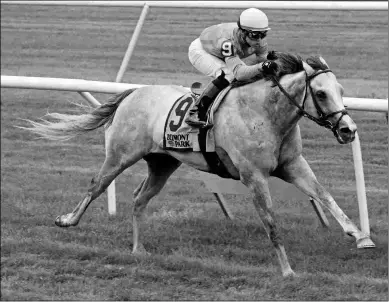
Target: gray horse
x,y
256,136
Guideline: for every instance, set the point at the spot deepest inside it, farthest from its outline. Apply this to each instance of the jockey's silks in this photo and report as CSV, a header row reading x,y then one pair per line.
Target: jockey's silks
x,y
218,40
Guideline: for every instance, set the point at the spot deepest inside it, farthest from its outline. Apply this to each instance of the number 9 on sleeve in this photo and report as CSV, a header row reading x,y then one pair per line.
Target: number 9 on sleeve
x,y
227,49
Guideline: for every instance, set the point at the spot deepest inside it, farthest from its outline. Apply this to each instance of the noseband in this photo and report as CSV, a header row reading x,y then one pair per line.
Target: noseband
x,y
323,118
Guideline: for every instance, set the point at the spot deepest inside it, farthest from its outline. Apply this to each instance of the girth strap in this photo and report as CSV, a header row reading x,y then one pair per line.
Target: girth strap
x,y
212,158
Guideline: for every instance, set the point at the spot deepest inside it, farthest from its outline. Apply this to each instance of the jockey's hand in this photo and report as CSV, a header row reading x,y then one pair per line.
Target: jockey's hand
x,y
269,68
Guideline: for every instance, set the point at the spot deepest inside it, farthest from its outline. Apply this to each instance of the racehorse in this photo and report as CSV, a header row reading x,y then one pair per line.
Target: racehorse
x,y
256,135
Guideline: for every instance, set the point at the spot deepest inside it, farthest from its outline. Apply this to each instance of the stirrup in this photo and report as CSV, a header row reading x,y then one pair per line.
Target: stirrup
x,y
196,124
199,124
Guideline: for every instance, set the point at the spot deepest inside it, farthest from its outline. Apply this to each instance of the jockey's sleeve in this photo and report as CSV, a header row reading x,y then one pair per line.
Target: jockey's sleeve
x,y
240,70
254,59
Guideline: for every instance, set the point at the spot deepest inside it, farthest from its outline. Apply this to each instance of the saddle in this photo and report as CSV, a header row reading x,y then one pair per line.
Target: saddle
x,y
179,136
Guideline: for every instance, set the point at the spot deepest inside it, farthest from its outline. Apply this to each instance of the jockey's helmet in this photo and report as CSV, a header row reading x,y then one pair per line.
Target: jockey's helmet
x,y
253,19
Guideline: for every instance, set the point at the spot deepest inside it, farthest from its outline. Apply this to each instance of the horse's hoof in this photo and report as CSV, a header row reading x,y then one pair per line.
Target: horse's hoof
x,y
289,274
62,221
59,222
365,243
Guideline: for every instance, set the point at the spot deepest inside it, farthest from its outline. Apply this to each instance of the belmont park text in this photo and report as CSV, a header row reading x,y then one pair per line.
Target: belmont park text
x,y
179,140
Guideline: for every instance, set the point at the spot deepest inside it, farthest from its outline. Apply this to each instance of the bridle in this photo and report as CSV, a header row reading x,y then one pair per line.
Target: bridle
x,y
323,118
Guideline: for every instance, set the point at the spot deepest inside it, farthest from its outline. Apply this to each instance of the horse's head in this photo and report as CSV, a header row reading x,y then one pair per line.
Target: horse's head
x,y
322,101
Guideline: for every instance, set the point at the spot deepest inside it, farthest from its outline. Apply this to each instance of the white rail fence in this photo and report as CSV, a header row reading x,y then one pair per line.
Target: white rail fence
x,y
79,85
83,86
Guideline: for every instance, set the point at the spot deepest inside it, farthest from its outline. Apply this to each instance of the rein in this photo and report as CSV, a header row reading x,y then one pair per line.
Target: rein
x,y
323,118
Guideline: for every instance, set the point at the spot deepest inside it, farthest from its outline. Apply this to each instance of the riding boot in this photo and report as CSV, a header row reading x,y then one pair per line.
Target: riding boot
x,y
204,100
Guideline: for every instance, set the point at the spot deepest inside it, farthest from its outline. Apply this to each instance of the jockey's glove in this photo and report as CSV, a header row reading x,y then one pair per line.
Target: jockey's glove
x,y
269,67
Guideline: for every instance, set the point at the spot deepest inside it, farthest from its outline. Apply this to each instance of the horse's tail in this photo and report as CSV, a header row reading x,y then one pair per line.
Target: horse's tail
x,y
68,126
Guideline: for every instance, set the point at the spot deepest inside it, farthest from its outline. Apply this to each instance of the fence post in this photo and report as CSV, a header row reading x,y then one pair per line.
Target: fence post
x,y
87,96
111,190
131,45
360,184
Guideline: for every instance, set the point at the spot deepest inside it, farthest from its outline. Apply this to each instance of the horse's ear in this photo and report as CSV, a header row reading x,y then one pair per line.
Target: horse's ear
x,y
308,68
324,62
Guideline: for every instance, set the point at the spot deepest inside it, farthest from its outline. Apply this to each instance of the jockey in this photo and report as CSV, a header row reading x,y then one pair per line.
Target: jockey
x,y
230,51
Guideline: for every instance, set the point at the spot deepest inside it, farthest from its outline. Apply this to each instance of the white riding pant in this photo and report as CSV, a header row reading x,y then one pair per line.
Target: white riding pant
x,y
206,63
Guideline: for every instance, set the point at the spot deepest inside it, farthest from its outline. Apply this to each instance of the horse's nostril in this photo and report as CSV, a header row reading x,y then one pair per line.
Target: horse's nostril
x,y
345,130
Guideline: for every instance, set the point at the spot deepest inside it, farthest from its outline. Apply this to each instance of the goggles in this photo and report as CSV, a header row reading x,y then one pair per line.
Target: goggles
x,y
256,35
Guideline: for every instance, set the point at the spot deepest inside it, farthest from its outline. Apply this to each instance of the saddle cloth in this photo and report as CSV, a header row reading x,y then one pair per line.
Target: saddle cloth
x,y
178,135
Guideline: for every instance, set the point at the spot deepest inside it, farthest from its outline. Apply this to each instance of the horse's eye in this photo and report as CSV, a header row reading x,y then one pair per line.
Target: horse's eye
x,y
321,94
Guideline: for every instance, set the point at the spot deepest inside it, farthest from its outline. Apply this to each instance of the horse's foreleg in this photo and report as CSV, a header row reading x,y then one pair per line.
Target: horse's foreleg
x,y
159,170
258,184
299,173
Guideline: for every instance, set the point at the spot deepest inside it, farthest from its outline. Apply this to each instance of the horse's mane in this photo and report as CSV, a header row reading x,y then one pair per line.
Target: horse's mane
x,y
287,64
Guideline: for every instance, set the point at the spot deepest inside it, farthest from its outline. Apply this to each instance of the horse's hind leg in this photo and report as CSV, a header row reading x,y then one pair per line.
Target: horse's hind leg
x,y
160,168
114,164
300,174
